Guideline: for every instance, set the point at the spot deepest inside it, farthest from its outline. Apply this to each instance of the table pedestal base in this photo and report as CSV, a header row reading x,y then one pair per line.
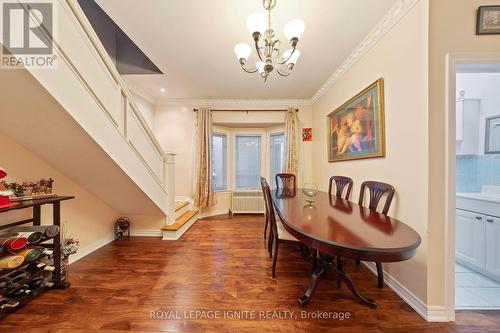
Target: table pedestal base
x,y
321,270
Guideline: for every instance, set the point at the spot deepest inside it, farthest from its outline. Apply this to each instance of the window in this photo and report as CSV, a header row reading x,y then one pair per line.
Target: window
x,y
219,162
277,155
247,161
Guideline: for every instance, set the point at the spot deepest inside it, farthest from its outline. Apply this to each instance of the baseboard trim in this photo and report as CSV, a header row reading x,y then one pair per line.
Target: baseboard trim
x,y
85,251
146,232
437,314
429,313
214,212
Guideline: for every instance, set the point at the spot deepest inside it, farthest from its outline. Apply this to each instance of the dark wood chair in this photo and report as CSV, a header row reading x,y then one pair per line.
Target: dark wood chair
x,y
341,183
278,232
377,191
288,181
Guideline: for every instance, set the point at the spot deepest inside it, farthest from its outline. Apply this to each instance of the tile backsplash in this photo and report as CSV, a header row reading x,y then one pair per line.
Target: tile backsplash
x,y
473,171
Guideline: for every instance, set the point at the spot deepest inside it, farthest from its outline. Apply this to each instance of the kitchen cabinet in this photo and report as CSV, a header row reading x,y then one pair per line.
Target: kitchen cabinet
x,y
467,126
478,242
493,245
471,236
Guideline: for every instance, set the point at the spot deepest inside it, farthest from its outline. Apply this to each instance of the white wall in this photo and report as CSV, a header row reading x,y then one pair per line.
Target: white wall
x,y
146,107
175,126
400,57
486,87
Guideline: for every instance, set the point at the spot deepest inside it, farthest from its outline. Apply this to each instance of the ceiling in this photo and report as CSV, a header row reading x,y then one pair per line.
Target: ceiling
x,y
192,42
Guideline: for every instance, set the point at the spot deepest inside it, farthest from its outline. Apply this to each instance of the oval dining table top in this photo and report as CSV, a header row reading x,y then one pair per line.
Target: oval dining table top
x,y
339,227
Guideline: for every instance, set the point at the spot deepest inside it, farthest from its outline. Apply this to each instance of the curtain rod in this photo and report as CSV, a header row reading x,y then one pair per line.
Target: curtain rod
x,y
263,110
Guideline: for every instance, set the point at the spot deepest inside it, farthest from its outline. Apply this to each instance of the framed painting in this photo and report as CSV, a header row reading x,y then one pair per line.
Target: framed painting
x,y
356,129
488,20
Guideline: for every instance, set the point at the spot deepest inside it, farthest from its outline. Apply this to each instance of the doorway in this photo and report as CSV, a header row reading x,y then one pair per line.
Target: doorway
x,y
477,214
473,182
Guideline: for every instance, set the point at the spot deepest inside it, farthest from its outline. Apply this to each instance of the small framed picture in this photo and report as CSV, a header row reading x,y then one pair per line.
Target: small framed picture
x,y
307,134
488,20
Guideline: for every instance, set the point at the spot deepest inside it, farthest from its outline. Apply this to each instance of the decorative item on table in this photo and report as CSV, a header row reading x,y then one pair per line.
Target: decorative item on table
x,y
122,227
5,192
310,190
30,190
307,134
488,20
356,129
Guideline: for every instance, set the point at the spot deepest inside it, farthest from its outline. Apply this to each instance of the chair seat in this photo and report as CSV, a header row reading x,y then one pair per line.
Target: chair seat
x,y
283,234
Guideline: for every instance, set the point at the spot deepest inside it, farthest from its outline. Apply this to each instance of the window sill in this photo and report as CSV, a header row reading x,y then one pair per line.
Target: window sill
x,y
222,191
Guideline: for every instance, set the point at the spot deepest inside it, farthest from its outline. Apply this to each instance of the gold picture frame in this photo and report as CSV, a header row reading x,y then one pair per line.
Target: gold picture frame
x,y
356,129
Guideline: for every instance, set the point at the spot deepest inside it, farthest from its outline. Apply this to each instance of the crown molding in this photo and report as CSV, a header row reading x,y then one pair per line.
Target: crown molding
x,y
393,16
243,103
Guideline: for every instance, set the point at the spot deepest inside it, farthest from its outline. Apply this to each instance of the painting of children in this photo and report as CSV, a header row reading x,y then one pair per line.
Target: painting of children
x,y
356,129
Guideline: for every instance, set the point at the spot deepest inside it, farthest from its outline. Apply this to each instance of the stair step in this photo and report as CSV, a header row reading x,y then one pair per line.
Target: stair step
x,y
180,221
180,205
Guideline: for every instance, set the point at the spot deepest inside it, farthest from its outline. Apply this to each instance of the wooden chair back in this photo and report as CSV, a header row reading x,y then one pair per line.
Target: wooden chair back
x,y
288,181
269,206
341,183
377,190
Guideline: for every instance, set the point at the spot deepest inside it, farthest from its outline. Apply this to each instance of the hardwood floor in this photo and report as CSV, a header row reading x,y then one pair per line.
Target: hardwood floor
x,y
220,264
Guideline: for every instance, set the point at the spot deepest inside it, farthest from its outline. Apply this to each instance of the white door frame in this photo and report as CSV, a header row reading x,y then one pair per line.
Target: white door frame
x,y
452,61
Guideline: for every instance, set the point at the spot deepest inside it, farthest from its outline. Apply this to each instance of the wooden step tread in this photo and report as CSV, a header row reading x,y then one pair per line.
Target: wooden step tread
x,y
180,205
180,221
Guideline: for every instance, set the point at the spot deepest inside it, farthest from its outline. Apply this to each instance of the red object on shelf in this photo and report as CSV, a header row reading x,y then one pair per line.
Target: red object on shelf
x,y
5,202
15,243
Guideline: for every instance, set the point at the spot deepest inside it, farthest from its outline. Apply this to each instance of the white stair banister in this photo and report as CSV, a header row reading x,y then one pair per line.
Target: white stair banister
x,y
170,186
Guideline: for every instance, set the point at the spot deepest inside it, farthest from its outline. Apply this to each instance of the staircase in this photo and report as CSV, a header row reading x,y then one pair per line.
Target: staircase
x,y
87,125
185,216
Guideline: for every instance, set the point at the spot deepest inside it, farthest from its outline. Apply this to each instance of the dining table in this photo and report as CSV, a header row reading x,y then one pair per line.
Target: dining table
x,y
338,228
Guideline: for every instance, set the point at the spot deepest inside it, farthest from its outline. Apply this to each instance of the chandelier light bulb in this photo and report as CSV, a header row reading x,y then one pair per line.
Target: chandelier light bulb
x,y
294,29
242,51
260,66
293,59
257,22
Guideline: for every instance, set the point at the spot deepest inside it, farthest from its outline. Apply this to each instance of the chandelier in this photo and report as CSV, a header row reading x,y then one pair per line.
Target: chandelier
x,y
268,50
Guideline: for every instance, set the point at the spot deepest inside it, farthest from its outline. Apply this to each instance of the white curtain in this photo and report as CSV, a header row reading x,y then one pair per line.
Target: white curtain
x,y
292,135
203,195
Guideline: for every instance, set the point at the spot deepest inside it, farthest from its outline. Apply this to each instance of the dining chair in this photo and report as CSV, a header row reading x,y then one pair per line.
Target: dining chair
x,y
288,181
341,183
377,191
278,232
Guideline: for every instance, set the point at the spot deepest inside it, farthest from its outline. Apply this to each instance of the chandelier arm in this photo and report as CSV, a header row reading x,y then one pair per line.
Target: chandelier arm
x,y
257,50
289,69
282,73
291,54
249,70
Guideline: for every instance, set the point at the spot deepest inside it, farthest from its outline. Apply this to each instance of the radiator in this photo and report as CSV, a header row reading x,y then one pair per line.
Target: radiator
x,y
248,202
